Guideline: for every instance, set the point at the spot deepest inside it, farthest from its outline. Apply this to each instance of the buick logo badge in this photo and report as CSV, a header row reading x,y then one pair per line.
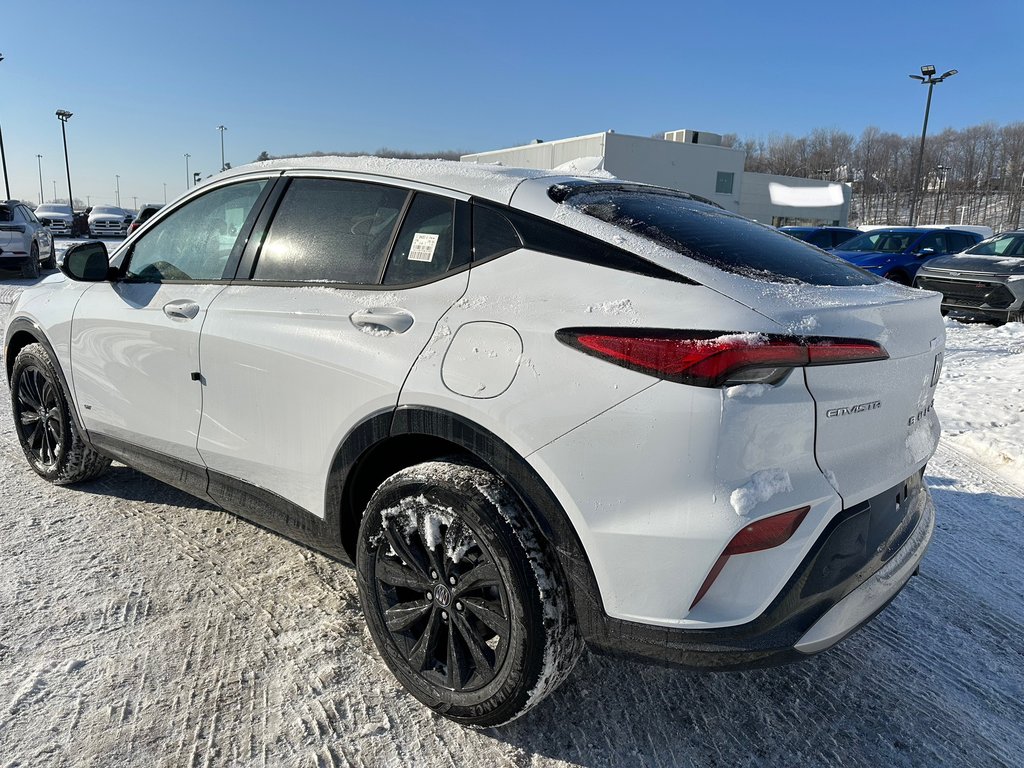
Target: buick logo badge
x,y
442,596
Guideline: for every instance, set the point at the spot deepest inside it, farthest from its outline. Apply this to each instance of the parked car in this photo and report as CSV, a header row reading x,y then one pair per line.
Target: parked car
x,y
145,213
25,243
823,237
897,253
59,218
109,221
985,282
532,409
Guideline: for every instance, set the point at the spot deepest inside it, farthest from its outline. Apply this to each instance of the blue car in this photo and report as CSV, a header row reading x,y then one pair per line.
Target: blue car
x,y
823,237
898,252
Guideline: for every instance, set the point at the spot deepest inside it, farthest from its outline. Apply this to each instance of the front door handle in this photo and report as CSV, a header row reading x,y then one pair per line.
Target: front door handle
x,y
382,319
182,309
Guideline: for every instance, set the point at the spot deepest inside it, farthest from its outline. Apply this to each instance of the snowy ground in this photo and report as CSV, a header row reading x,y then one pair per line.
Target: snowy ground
x,y
140,627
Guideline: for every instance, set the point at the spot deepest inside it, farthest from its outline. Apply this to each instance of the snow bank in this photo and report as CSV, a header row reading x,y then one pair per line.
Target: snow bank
x,y
980,398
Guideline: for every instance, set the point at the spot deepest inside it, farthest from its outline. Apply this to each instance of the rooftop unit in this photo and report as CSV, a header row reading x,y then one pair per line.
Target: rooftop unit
x,y
689,136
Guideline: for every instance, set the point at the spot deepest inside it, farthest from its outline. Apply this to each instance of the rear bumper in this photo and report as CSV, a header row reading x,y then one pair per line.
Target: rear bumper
x,y
859,564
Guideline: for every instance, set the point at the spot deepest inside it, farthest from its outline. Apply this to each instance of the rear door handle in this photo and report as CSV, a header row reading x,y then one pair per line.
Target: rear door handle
x,y
382,318
182,309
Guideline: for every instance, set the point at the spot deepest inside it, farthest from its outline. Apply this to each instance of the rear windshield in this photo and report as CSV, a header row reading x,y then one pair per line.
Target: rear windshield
x,y
717,237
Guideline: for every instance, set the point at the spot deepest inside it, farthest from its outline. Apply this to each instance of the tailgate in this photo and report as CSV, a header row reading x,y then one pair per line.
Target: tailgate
x,y
875,425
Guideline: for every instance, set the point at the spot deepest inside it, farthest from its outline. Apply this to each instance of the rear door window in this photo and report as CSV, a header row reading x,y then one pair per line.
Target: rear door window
x,y
425,243
331,230
714,236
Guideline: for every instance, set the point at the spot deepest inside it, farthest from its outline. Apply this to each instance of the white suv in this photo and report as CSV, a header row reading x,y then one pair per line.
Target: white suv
x,y
533,410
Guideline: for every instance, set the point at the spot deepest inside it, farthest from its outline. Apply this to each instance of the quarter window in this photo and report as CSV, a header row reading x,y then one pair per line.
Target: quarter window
x,y
195,242
330,230
493,235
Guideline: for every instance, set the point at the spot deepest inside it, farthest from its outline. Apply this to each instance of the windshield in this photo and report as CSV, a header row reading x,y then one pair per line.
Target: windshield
x,y
52,208
107,209
712,235
1005,245
883,241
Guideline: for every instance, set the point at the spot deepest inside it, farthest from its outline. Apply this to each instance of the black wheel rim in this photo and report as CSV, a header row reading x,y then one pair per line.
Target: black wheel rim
x,y
38,417
445,606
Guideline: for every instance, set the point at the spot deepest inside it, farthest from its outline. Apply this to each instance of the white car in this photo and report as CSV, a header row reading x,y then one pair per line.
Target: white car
x,y
532,409
109,221
25,243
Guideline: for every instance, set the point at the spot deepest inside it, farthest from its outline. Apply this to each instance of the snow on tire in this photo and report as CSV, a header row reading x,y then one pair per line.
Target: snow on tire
x,y
465,604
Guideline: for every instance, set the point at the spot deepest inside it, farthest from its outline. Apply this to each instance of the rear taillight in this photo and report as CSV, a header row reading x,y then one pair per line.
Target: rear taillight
x,y
763,534
713,358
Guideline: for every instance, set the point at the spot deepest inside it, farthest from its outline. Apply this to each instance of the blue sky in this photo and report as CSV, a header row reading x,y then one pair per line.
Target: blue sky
x,y
148,82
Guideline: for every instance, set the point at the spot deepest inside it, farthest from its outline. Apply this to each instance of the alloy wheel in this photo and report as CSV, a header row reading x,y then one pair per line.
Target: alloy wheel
x,y
443,601
39,419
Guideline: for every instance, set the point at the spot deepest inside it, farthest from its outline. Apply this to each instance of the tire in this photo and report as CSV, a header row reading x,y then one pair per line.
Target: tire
x,y
897,277
457,533
51,261
42,419
30,268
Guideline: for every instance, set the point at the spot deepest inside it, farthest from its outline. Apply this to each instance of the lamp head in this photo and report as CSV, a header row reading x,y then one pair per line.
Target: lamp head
x,y
928,70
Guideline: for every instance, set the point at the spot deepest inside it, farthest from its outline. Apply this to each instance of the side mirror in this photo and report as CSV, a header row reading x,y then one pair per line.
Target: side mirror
x,y
87,263
925,252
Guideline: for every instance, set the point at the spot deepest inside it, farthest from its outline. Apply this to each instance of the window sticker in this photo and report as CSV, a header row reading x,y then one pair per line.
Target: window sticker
x,y
423,247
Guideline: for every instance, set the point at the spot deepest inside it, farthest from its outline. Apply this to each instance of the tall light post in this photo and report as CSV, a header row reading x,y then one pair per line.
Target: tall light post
x,y
54,190
135,202
221,128
3,157
927,77
188,176
39,160
165,193
117,189
63,115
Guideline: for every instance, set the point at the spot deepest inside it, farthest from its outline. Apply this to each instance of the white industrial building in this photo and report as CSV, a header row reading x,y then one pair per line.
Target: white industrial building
x,y
692,161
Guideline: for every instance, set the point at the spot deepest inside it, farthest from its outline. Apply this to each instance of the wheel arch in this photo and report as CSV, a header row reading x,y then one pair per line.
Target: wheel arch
x,y
389,441
20,333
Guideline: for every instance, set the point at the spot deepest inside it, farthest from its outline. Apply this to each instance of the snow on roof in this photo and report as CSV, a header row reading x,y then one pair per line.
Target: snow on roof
x,y
493,182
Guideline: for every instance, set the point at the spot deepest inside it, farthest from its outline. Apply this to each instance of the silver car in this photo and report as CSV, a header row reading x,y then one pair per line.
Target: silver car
x,y
25,243
985,282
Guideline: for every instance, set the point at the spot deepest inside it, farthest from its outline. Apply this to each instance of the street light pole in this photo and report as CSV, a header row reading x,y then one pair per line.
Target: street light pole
x,y
3,157
117,189
188,176
221,128
39,160
165,193
63,115
927,77
54,190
